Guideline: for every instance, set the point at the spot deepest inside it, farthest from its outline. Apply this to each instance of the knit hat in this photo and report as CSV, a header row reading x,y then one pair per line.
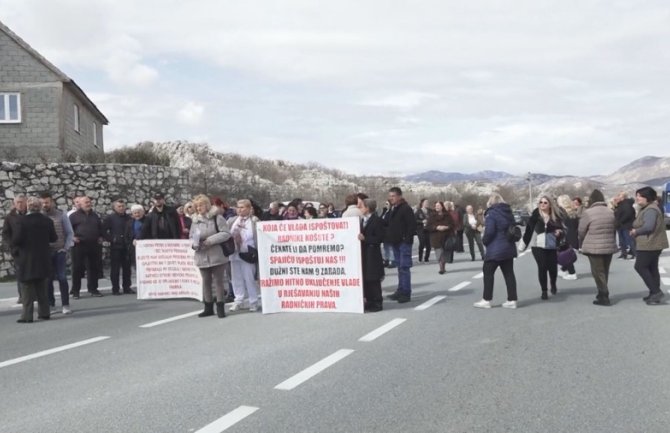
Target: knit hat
x,y
596,196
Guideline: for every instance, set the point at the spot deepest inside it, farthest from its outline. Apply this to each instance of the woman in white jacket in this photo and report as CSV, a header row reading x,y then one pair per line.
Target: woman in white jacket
x,y
208,231
243,230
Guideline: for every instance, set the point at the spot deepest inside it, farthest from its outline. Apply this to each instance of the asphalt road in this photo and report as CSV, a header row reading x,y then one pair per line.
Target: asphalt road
x,y
562,365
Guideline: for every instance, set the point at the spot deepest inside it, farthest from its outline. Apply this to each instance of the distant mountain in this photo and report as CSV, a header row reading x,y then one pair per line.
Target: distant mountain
x,y
442,177
643,170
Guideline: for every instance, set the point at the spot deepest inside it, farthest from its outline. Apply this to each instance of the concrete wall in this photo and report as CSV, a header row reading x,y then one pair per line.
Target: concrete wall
x,y
102,182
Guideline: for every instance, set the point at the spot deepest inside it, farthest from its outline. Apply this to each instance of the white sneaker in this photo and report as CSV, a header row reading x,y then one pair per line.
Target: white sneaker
x,y
253,307
235,306
509,304
66,309
562,274
482,304
570,277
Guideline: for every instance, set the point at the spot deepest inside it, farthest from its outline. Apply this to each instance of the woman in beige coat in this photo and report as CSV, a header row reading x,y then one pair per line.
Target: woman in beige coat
x,y
597,235
208,231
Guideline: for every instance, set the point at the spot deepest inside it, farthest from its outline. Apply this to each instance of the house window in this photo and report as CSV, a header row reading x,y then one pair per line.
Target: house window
x,y
95,134
10,108
76,117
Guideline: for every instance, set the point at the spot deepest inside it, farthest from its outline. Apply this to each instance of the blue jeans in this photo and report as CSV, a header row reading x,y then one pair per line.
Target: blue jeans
x,y
403,257
388,253
58,262
626,242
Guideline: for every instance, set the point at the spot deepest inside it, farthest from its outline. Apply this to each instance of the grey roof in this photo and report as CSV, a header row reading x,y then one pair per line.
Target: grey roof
x,y
67,81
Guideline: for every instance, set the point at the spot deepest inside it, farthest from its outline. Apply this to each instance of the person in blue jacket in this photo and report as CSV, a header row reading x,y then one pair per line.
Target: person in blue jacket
x,y
500,251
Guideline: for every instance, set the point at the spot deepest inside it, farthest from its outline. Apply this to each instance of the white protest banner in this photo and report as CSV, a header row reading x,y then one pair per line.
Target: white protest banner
x,y
165,269
310,265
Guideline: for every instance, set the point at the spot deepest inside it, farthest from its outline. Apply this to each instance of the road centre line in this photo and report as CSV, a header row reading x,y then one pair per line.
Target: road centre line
x,y
661,270
313,370
478,276
51,351
170,319
228,420
459,286
429,303
666,281
371,336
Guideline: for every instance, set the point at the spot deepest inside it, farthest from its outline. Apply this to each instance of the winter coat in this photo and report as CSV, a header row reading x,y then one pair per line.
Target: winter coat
x,y
571,223
209,253
421,215
371,253
479,222
352,211
435,219
9,228
114,230
624,214
497,219
597,232
536,226
152,220
34,233
401,226
87,227
658,239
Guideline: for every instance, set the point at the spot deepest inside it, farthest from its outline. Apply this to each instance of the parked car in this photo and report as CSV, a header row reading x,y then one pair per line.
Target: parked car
x,y
521,217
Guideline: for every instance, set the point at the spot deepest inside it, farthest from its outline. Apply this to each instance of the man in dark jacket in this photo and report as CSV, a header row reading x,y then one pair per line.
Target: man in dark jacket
x,y
400,232
162,221
87,228
34,233
114,232
9,228
624,214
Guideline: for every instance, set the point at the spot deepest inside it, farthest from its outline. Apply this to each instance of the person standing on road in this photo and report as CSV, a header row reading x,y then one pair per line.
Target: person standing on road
x,y
422,233
162,221
9,228
597,236
400,234
459,227
624,213
569,215
88,235
389,258
208,231
134,230
543,233
59,251
440,226
500,251
650,237
371,237
34,233
114,231
473,225
243,274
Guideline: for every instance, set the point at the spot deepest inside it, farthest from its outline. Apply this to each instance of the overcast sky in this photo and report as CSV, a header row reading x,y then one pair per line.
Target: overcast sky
x,y
373,86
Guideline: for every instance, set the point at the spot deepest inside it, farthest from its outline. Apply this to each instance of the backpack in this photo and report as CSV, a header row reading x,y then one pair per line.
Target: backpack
x,y
513,233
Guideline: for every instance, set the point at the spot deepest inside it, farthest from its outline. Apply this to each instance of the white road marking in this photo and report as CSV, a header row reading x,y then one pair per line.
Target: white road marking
x,y
661,270
170,319
228,420
51,351
666,281
459,286
371,336
478,276
429,303
15,298
313,370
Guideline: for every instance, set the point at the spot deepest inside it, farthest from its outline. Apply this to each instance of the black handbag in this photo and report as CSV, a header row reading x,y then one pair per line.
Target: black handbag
x,y
228,246
250,256
450,243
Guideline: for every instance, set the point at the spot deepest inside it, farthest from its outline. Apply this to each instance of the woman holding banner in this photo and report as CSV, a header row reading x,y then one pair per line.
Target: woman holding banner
x,y
243,229
371,237
208,231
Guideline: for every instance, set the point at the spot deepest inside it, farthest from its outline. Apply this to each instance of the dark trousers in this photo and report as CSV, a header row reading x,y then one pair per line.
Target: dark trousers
x,y
459,242
372,291
600,269
547,262
58,263
424,244
475,237
120,262
570,269
31,291
646,264
626,242
507,268
85,257
18,283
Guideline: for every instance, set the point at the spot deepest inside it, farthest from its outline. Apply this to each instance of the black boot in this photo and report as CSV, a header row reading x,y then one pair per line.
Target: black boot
x,y
220,310
208,311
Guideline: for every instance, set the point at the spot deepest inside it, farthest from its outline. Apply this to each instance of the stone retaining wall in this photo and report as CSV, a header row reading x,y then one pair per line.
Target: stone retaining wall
x,y
101,182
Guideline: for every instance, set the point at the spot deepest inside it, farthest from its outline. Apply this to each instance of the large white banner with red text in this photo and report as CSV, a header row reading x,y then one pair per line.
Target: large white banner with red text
x,y
165,269
310,265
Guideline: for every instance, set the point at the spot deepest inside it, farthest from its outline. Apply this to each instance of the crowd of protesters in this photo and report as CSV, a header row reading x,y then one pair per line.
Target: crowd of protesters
x,y
39,236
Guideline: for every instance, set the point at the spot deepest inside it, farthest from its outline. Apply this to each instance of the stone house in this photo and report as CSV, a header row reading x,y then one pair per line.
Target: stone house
x,y
44,114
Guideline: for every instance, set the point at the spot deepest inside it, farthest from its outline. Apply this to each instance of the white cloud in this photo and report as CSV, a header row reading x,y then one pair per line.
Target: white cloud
x,y
191,114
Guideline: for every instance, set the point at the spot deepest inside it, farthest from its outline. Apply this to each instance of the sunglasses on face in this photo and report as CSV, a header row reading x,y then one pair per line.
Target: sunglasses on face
x,y
544,202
